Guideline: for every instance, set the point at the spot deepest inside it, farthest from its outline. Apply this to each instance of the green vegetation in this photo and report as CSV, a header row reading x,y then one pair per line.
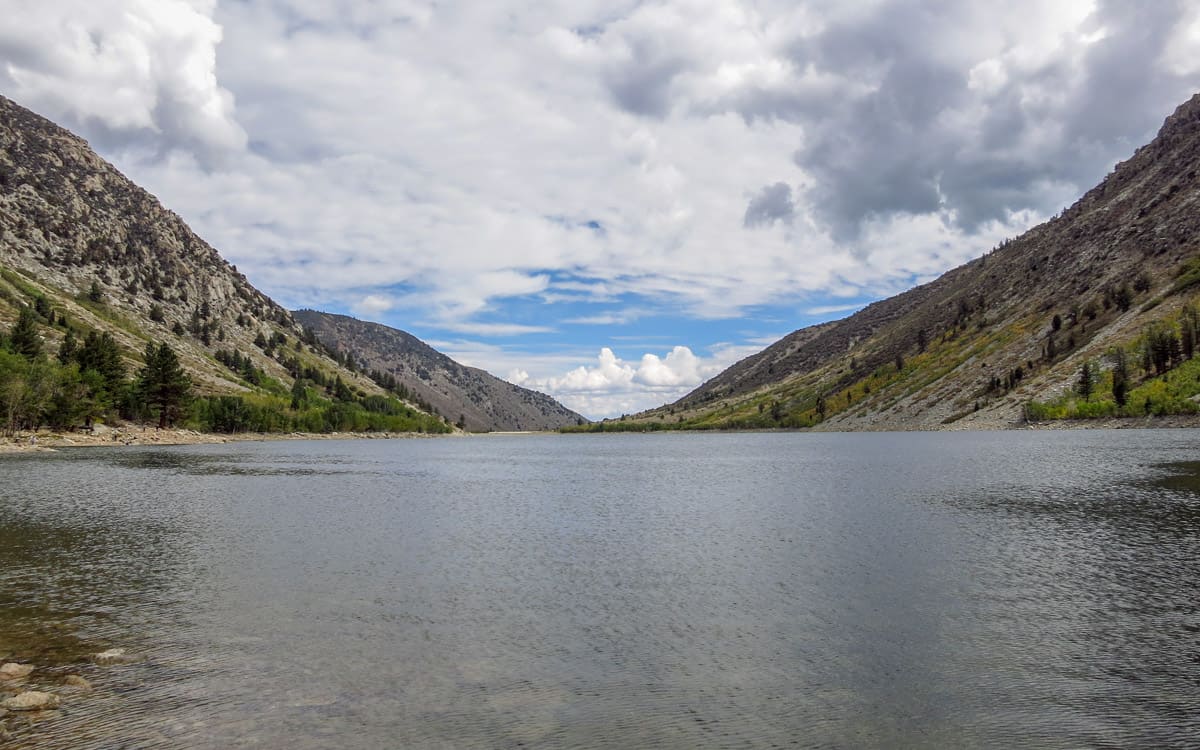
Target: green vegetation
x,y
269,413
89,382
1187,276
162,385
1156,374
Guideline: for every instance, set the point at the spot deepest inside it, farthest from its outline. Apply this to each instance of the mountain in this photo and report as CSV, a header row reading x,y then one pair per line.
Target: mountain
x,y
1108,283
483,401
96,254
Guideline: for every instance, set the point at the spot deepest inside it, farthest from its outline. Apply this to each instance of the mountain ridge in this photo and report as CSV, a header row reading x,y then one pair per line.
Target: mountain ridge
x,y
94,253
1135,233
481,401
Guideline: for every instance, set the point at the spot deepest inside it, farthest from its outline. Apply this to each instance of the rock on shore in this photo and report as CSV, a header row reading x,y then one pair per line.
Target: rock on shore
x,y
14,671
31,700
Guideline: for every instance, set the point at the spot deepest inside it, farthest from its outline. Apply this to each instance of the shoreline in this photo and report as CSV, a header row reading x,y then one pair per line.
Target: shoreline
x,y
48,441
1177,421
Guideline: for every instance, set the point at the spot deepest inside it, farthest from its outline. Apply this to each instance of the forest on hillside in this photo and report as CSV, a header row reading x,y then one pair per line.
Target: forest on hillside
x,y
88,380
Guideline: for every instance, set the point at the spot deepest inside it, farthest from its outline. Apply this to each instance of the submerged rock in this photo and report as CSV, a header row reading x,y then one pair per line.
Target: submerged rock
x,y
112,656
14,671
75,681
32,700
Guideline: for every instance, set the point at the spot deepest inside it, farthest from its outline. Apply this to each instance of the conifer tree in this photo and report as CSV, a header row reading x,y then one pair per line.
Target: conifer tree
x,y
163,383
1120,373
41,306
1087,381
101,354
24,339
68,347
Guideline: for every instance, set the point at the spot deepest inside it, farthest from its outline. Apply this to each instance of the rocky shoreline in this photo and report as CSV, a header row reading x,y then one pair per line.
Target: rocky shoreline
x,y
34,693
45,440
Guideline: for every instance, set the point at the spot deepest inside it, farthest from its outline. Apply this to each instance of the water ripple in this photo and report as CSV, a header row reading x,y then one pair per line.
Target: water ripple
x,y
723,591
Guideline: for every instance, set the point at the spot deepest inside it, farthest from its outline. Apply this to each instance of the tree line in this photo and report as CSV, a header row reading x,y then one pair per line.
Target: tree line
x,y
87,380
1155,374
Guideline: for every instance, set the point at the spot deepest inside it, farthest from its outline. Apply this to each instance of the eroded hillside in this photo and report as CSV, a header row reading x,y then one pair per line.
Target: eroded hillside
x,y
1015,326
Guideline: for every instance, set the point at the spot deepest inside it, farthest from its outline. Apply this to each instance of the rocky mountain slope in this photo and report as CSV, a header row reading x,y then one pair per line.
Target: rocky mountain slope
x,y
105,256
977,345
482,401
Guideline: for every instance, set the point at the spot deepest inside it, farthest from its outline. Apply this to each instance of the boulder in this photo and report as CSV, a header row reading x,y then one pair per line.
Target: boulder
x,y
14,671
77,682
31,700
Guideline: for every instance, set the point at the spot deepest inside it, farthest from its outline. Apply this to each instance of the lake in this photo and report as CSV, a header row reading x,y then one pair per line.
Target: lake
x,y
1015,589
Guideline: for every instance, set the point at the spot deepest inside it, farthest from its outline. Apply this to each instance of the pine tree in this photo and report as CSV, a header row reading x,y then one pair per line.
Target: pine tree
x,y
41,306
1087,381
163,383
68,347
101,354
24,338
1120,386
299,394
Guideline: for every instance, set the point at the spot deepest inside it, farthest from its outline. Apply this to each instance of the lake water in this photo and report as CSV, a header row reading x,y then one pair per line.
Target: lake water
x,y
1027,589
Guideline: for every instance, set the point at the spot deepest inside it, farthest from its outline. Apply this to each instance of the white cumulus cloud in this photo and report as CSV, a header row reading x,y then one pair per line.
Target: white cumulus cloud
x,y
124,71
613,386
374,304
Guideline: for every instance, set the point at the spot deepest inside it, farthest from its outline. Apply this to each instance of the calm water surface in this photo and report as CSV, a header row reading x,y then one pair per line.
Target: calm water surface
x,y
760,590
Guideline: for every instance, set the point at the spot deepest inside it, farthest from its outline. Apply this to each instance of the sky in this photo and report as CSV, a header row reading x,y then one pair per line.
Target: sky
x,y
608,201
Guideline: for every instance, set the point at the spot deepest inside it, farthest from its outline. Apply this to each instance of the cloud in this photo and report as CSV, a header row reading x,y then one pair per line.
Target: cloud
x,y
975,133
830,309
679,368
608,375
135,73
517,376
613,318
613,386
373,305
642,84
493,329
773,203
472,164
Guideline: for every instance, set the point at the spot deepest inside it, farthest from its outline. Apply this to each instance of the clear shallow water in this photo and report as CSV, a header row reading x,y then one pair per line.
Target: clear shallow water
x,y
761,590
